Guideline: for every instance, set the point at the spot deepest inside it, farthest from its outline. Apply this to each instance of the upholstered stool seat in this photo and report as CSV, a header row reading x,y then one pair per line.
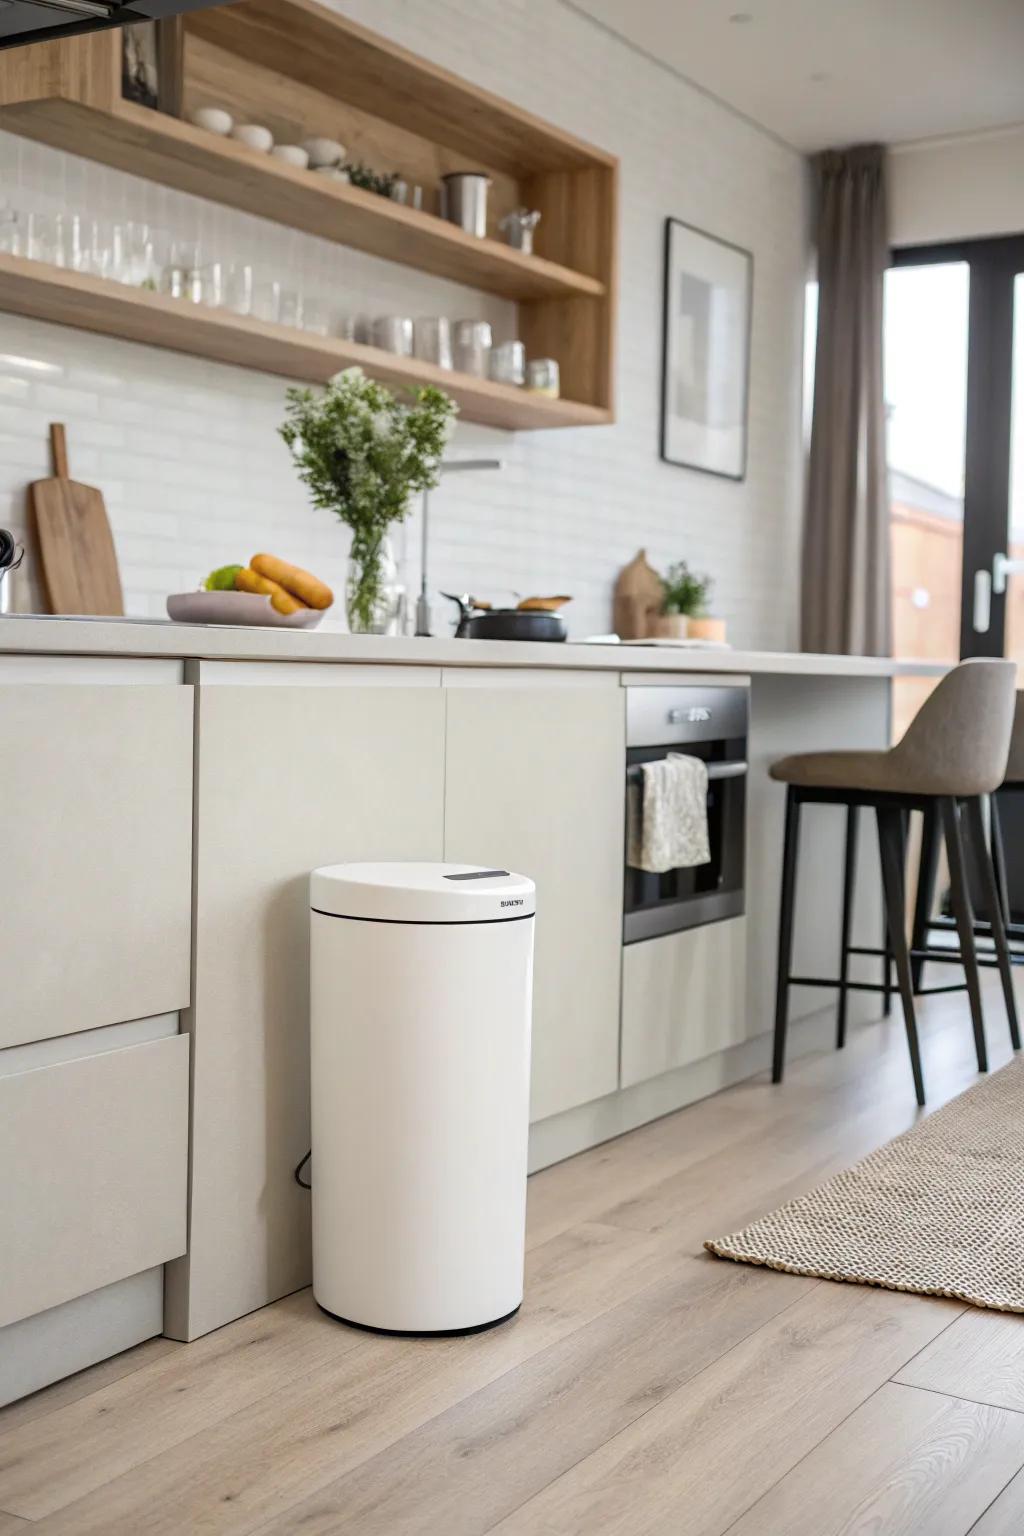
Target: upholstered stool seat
x,y
875,772
955,752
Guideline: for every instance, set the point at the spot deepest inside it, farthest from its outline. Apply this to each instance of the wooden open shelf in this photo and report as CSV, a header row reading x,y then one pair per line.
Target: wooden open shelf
x,y
304,70
180,155
134,314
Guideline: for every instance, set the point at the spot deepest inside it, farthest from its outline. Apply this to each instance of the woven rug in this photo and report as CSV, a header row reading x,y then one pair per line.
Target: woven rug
x,y
939,1211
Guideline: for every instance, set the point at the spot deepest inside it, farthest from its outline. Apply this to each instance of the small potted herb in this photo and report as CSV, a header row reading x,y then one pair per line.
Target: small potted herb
x,y
684,606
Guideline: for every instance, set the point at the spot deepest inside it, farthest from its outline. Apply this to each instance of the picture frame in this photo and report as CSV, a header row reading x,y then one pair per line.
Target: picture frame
x,y
705,360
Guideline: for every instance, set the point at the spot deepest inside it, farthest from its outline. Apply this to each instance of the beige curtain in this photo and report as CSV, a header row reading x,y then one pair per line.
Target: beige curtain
x,y
846,575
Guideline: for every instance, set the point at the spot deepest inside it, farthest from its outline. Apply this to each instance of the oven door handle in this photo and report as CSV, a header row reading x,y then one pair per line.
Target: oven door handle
x,y
734,770
731,770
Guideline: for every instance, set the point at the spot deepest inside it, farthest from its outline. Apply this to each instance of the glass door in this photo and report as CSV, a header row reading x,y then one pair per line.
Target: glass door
x,y
954,375
925,371
977,282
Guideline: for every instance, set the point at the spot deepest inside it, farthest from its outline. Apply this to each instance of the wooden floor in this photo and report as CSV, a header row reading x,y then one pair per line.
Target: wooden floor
x,y
644,1387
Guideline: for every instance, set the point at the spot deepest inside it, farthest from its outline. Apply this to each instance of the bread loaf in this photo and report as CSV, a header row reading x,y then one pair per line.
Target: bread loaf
x,y
247,580
308,589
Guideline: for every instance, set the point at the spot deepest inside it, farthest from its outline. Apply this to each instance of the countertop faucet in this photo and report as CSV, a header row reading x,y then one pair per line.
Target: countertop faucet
x,y
448,467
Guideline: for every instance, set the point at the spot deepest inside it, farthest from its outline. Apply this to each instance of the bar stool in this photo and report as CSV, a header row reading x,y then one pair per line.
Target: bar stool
x,y
953,753
1013,782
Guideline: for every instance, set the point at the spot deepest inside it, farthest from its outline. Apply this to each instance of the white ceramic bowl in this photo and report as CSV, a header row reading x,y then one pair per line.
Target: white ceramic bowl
x,y
253,134
291,154
236,608
213,119
333,172
324,152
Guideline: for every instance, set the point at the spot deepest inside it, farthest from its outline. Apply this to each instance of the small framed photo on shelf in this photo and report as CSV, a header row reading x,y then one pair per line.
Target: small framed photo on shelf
x,y
705,374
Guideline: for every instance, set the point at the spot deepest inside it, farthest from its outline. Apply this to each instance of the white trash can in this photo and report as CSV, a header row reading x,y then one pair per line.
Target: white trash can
x,y
420,996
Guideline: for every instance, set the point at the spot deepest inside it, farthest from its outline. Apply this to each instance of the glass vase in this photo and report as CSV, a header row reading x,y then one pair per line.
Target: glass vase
x,y
374,595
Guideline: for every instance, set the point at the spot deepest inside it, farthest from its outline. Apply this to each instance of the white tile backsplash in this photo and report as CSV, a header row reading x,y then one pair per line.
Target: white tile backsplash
x,y
187,452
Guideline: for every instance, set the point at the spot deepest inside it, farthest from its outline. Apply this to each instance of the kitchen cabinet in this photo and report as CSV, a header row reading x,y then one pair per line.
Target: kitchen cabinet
x,y
297,767
534,783
95,1155
683,998
96,782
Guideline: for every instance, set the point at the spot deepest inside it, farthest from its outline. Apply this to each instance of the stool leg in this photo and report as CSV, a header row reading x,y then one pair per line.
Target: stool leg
x,y
790,843
849,874
890,841
999,858
886,950
983,860
924,903
964,915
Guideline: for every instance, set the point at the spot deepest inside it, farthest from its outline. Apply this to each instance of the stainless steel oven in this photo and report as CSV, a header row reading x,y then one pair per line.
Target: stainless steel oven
x,y
702,721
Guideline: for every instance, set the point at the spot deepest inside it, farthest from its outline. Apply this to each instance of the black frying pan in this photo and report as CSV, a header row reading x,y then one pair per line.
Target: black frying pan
x,y
505,623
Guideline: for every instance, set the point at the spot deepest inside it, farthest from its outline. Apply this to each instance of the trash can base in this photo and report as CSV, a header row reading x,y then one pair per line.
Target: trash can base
x,y
420,1333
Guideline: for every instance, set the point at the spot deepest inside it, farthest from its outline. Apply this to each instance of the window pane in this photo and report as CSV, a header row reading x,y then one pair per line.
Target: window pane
x,y
925,361
1014,632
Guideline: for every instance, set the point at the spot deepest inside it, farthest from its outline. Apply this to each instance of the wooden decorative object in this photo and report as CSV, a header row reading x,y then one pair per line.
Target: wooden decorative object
x,y
303,69
639,593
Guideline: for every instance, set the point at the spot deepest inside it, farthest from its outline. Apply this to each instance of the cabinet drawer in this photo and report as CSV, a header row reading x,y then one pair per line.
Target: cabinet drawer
x,y
95,875
94,1152
683,998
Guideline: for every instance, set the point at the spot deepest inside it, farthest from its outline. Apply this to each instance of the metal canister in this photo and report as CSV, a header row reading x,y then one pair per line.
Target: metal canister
x,y
464,200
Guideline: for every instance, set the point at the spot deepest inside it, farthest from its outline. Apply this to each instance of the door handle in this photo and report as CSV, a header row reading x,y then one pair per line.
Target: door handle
x,y
1003,566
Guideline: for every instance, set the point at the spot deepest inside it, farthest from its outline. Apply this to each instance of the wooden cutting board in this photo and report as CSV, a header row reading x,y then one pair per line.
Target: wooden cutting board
x,y
76,549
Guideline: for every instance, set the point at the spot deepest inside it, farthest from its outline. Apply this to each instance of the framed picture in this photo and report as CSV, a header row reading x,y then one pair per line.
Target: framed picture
x,y
705,371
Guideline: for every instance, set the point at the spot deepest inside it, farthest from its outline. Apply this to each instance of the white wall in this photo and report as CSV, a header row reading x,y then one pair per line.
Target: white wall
x,y
187,453
958,188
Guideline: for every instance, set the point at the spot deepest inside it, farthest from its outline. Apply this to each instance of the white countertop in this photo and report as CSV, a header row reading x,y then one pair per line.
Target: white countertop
x,y
32,635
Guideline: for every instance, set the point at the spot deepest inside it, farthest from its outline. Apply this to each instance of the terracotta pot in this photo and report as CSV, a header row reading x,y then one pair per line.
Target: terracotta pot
x,y
706,629
669,626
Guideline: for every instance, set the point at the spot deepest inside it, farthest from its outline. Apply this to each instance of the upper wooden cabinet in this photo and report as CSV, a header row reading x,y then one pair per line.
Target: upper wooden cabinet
x,y
304,70
96,886
533,783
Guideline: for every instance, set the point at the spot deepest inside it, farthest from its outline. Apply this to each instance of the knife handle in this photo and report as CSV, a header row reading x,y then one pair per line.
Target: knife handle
x,y
59,447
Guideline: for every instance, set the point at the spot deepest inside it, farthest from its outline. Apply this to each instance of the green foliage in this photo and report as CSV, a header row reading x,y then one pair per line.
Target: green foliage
x,y
685,592
362,453
364,176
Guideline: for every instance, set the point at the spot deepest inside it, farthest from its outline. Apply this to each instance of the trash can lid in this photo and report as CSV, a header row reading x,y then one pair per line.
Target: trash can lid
x,y
421,893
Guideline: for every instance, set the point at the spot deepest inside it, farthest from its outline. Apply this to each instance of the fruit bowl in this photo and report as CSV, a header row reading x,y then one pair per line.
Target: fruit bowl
x,y
237,608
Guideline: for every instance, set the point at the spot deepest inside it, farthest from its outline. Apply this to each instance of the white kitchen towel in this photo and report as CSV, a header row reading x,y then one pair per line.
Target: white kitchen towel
x,y
667,815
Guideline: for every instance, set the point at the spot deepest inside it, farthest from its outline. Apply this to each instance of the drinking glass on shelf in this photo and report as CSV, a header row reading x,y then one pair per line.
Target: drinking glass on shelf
x,y
211,284
238,288
137,263
45,237
266,304
314,317
174,279
12,232
507,363
432,340
393,333
291,308
471,346
346,328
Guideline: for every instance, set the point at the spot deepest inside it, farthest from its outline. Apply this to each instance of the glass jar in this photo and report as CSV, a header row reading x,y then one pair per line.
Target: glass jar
x,y
542,377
